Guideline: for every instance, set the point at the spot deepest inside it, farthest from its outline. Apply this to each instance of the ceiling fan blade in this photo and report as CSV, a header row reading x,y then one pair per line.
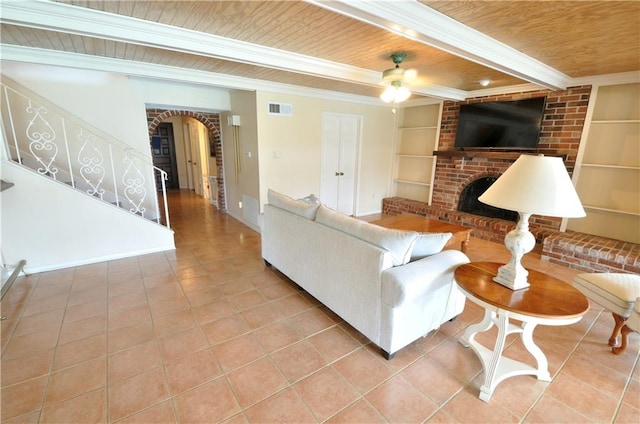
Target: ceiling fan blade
x,y
410,75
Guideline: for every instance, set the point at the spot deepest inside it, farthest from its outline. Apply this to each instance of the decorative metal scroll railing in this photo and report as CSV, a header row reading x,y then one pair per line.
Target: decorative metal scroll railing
x,y
55,143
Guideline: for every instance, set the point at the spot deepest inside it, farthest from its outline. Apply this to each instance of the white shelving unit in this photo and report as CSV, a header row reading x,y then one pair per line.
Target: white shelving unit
x,y
417,139
607,174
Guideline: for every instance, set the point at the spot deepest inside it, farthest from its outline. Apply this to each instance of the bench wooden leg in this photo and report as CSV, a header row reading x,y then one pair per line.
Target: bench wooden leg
x,y
620,321
623,342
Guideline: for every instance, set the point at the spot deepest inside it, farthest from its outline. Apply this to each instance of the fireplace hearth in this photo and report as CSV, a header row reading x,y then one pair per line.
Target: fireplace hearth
x,y
469,202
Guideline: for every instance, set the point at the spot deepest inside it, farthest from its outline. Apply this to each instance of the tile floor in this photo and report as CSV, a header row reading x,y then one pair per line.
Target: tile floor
x,y
206,333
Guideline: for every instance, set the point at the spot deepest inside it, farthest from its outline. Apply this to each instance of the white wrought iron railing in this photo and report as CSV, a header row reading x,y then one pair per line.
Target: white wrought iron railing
x,y
55,143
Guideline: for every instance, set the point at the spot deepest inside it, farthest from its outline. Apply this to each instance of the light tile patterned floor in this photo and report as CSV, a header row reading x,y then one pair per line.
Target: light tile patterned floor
x,y
207,334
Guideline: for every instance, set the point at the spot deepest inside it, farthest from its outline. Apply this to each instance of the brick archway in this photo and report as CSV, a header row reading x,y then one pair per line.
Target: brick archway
x,y
212,122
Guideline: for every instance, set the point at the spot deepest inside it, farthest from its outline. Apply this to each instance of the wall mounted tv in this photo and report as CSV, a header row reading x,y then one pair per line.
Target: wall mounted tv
x,y
500,125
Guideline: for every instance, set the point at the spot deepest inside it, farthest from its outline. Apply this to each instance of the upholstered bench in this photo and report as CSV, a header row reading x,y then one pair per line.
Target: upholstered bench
x,y
616,292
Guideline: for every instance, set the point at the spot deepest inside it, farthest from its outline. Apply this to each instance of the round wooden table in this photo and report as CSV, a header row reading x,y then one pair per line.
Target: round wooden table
x,y
547,301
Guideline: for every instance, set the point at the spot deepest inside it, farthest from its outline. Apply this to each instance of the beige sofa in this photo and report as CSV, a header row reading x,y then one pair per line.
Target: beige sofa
x,y
392,286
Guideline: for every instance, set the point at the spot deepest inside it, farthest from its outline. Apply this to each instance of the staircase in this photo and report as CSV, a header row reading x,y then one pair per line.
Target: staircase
x,y
56,144
44,142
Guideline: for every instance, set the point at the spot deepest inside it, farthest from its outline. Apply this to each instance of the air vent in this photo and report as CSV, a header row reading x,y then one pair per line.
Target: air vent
x,y
280,109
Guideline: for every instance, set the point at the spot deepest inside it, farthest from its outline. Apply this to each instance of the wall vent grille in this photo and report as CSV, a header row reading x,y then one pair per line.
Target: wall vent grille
x,y
280,109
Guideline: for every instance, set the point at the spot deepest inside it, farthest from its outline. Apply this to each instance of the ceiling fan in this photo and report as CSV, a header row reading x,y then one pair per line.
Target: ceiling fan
x,y
396,79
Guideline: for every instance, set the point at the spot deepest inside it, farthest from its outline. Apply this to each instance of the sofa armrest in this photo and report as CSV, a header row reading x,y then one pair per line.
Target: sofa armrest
x,y
408,282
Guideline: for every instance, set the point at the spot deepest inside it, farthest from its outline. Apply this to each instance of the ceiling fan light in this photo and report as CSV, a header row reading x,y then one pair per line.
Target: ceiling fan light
x,y
402,94
388,94
395,94
394,78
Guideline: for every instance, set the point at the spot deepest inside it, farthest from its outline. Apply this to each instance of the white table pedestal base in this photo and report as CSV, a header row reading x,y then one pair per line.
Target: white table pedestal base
x,y
497,367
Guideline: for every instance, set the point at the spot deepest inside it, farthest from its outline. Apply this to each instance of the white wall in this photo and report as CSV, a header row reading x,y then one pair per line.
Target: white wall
x,y
53,226
243,104
104,100
291,146
168,94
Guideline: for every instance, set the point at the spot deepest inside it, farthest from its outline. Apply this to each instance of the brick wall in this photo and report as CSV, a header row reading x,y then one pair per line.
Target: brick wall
x,y
588,253
562,124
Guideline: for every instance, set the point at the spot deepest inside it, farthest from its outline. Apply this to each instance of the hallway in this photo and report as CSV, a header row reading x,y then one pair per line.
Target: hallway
x,y
207,333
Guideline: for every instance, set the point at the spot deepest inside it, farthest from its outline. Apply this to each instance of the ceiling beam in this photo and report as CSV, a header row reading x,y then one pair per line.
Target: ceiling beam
x,y
418,22
81,21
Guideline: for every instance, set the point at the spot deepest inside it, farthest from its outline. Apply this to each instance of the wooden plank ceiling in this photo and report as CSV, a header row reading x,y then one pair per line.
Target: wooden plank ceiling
x,y
577,38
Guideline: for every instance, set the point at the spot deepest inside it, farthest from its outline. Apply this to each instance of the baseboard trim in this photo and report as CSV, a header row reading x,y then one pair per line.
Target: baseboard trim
x,y
95,260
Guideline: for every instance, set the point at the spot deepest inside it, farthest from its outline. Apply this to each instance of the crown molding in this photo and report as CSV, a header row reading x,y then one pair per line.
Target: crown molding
x,y
416,21
94,23
609,79
594,80
169,73
423,101
498,91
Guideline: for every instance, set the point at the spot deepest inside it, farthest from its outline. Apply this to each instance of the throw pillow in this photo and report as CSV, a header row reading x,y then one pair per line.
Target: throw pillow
x,y
311,199
298,207
428,244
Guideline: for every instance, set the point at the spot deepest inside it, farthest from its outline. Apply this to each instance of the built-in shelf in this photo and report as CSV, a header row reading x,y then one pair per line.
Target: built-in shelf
x,y
401,155
597,208
617,121
600,165
412,182
414,165
608,165
427,127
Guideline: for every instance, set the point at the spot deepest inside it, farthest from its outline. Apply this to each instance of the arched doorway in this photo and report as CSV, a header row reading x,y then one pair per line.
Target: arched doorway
x,y
212,123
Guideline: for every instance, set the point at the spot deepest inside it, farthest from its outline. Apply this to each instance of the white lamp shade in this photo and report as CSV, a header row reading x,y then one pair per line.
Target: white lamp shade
x,y
537,185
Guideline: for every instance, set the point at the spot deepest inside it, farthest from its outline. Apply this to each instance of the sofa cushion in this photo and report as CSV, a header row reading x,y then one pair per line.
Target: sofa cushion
x,y
616,292
428,244
397,242
299,207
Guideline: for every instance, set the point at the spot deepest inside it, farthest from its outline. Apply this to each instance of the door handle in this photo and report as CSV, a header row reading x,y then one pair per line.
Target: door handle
x,y
337,174
341,174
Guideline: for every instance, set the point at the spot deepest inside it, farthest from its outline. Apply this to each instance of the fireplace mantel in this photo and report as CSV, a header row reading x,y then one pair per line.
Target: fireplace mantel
x,y
508,155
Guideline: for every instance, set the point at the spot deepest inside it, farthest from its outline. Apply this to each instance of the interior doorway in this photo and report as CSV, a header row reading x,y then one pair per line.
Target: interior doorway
x,y
212,146
163,152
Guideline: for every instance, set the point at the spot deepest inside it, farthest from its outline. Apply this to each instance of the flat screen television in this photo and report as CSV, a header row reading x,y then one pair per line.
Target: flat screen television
x,y
512,124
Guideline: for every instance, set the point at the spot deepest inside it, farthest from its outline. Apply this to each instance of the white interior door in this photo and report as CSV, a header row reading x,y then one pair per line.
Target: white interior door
x,y
195,158
187,155
340,143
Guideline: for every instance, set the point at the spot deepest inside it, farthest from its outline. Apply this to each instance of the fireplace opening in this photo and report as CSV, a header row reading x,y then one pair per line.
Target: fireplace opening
x,y
469,201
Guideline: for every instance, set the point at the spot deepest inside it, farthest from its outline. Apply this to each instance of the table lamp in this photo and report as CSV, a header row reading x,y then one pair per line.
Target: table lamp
x,y
531,185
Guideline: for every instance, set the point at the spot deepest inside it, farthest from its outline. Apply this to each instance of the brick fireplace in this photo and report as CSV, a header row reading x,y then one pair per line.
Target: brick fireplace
x,y
562,125
469,202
